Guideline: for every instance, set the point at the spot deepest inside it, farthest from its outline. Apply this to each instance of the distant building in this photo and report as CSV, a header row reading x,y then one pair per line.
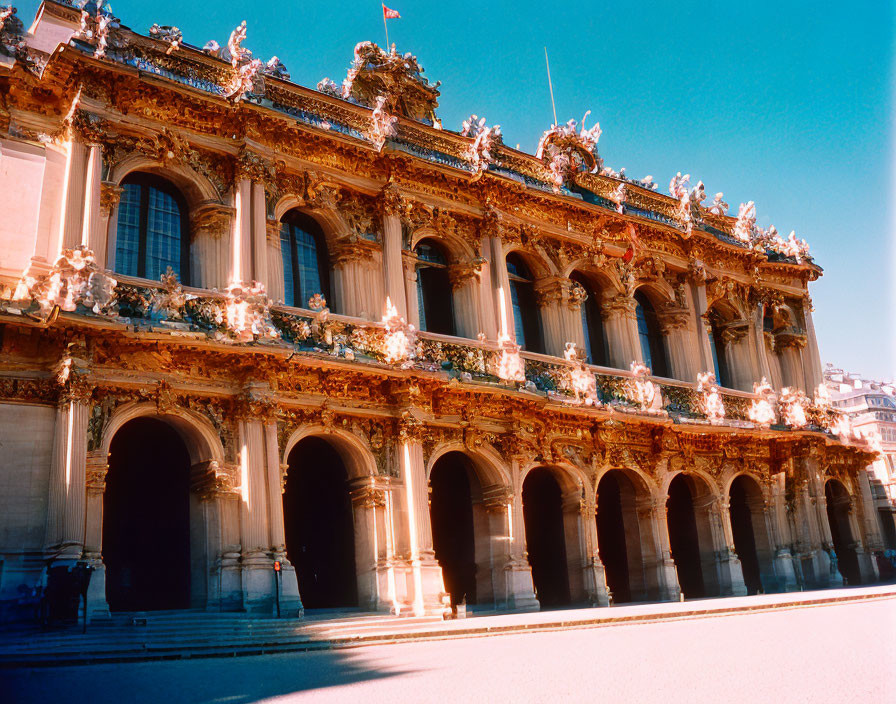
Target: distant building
x,y
871,406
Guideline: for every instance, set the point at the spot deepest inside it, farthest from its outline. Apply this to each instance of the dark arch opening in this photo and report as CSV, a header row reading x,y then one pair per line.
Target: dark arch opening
x,y
545,539
683,538
526,317
434,298
153,231
320,539
611,538
593,322
146,518
742,490
451,510
841,532
306,267
653,347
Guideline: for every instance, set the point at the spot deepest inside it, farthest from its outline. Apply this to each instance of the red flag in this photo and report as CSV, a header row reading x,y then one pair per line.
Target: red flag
x,y
390,14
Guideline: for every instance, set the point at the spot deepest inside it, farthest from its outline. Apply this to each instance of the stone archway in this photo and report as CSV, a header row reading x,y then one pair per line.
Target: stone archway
x,y
752,541
149,520
625,537
839,505
319,527
545,537
691,535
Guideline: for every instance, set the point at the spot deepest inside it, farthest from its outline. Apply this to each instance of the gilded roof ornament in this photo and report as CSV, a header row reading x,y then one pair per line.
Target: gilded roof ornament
x,y
567,150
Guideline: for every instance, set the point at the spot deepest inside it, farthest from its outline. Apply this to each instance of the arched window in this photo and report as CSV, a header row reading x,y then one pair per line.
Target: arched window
x,y
592,323
305,266
526,320
152,229
652,347
717,345
434,299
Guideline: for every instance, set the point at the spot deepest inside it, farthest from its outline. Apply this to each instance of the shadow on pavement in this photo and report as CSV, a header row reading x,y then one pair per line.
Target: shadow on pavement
x,y
238,680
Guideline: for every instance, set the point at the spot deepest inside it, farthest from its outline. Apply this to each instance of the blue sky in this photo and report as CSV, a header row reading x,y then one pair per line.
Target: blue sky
x,y
785,103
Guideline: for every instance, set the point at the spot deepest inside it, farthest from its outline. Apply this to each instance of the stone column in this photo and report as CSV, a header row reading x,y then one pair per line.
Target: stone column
x,y
501,286
409,267
358,278
259,235
674,324
290,602
730,567
621,326
210,264
789,346
257,566
870,525
737,355
812,365
426,573
393,270
780,531
92,235
762,351
667,574
486,298
110,196
698,296
67,506
466,290
275,286
519,587
241,233
97,468
595,574
71,225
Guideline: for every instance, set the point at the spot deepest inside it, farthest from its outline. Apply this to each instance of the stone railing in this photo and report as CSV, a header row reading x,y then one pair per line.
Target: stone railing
x,y
243,315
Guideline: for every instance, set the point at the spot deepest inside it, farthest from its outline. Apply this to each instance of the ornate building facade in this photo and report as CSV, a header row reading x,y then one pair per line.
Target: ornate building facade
x,y
246,322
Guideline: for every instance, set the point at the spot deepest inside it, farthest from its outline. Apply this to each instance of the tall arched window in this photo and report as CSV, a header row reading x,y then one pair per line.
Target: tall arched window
x,y
592,323
152,229
652,346
717,345
434,299
305,266
526,320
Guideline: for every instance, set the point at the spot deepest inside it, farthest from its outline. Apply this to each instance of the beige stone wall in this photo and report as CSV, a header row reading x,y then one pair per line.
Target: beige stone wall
x,y
26,448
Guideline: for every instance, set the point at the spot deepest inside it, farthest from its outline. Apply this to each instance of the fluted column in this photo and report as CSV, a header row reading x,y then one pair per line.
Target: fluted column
x,y
812,367
72,221
358,278
520,588
789,348
595,574
96,469
730,566
466,289
409,267
667,574
486,298
393,268
501,287
275,284
67,506
621,326
210,263
92,235
241,233
737,355
780,531
110,196
675,326
259,235
698,296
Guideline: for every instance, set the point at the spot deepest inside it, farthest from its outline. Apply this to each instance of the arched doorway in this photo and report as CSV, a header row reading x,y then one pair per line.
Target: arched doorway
x,y
748,526
317,514
452,482
146,518
545,537
619,538
838,502
690,536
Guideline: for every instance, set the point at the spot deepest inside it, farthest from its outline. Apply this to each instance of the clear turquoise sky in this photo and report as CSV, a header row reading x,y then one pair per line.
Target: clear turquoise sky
x,y
786,103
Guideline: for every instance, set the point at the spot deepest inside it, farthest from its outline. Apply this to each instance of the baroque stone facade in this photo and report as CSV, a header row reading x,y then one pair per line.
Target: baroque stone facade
x,y
466,465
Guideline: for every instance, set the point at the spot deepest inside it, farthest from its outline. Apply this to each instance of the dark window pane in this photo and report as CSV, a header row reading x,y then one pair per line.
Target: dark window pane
x,y
288,272
163,233
127,241
437,311
308,264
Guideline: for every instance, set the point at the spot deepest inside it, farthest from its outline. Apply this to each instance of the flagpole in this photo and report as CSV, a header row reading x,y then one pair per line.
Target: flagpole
x,y
550,85
386,27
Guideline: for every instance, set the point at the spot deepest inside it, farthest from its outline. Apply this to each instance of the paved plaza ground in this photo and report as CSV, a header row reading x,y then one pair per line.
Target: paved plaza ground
x,y
832,653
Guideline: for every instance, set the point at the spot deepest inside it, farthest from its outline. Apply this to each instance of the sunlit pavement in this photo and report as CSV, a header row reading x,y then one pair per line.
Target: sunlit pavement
x,y
833,653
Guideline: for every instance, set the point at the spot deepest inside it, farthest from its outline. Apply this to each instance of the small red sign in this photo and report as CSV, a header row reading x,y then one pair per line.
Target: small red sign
x,y
276,565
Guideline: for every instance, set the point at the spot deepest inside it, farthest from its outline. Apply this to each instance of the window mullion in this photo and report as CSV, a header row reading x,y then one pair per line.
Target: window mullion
x,y
144,226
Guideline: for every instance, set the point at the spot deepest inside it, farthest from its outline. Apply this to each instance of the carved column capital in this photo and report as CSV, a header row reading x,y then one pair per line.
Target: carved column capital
x,y
97,468
110,196
620,304
212,220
